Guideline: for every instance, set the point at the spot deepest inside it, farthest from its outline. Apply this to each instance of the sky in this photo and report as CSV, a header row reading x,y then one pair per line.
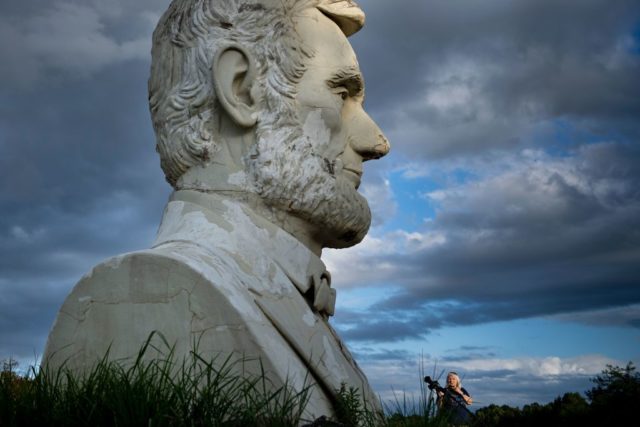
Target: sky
x,y
506,220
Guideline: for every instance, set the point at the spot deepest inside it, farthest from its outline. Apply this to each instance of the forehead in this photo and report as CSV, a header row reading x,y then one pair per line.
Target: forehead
x,y
332,51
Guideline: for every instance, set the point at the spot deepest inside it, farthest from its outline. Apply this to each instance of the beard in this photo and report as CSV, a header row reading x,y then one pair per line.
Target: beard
x,y
290,173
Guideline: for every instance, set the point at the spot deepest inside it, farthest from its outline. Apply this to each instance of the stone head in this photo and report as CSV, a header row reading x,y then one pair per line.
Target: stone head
x,y
266,98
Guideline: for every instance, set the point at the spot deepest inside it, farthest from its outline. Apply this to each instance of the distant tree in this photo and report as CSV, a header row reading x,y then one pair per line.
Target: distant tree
x,y
567,411
613,402
570,410
616,394
496,416
534,414
12,388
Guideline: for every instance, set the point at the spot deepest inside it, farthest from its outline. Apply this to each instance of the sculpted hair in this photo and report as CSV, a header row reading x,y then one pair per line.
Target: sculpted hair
x,y
182,98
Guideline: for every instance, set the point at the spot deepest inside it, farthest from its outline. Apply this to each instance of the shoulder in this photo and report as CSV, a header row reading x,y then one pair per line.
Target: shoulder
x,y
162,276
139,274
161,264
121,301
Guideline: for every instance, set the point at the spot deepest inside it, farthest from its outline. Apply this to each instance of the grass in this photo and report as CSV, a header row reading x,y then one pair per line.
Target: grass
x,y
160,392
407,411
192,392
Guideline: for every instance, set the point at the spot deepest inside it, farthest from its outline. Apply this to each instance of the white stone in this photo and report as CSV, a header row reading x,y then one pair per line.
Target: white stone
x,y
264,181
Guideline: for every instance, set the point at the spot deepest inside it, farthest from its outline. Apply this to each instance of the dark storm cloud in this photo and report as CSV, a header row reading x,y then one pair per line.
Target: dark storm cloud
x,y
471,298
26,314
72,37
82,183
627,315
80,179
383,330
466,76
466,352
79,161
382,355
538,236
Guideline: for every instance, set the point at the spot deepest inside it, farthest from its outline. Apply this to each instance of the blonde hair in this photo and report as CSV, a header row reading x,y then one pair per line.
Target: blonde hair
x,y
457,378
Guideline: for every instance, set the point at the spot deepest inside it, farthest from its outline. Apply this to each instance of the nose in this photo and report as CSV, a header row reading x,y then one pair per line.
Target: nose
x,y
366,138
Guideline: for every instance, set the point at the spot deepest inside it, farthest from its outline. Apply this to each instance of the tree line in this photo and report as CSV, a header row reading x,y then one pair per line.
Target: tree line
x,y
613,401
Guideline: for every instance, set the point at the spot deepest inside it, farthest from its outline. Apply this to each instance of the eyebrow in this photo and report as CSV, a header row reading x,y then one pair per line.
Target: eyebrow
x,y
350,78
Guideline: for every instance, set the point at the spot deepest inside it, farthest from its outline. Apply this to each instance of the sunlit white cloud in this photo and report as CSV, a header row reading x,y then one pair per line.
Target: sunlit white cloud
x,y
538,366
355,266
515,381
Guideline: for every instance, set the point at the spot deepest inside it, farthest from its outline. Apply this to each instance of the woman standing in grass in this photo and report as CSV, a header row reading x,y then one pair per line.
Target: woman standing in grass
x,y
454,400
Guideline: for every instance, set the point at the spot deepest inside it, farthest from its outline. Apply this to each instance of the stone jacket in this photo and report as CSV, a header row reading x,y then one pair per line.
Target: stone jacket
x,y
223,279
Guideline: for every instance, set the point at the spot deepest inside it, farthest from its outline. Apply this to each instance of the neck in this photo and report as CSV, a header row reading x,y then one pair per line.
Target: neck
x,y
226,176
304,232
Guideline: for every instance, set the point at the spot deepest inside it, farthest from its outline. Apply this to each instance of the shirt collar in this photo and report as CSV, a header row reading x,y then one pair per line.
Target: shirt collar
x,y
218,223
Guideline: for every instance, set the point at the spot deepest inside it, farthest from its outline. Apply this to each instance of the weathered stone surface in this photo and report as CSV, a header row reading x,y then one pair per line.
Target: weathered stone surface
x,y
257,109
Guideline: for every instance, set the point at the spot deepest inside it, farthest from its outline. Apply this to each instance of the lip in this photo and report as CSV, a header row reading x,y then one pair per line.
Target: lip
x,y
354,175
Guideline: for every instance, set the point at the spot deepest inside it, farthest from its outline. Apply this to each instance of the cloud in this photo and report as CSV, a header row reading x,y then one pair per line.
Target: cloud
x,y
552,366
467,353
524,380
372,261
81,181
467,77
513,125
40,261
628,315
513,381
543,192
530,234
70,37
380,198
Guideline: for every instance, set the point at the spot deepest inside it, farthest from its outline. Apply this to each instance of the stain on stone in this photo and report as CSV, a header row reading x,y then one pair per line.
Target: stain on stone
x,y
251,7
348,236
330,166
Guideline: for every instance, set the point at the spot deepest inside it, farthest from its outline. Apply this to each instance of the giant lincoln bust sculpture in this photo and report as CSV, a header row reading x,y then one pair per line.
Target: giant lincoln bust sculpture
x,y
257,109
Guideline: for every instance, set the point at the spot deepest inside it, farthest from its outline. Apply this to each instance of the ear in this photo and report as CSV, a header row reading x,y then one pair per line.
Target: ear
x,y
234,74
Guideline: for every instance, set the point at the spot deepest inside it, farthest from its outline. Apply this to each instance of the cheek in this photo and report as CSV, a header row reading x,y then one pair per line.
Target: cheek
x,y
337,122
328,117
338,141
333,119
328,104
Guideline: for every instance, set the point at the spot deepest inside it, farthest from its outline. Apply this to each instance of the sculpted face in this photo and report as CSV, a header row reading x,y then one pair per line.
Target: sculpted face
x,y
332,89
277,117
313,169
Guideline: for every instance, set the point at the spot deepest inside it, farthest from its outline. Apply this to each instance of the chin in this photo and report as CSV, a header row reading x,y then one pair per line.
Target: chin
x,y
346,240
349,233
339,214
298,182
344,220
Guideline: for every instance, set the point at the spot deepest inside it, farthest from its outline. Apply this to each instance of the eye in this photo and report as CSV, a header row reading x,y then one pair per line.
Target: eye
x,y
343,93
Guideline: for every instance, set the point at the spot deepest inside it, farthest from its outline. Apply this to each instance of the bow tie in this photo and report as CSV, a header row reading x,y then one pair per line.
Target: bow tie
x,y
321,296
316,289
